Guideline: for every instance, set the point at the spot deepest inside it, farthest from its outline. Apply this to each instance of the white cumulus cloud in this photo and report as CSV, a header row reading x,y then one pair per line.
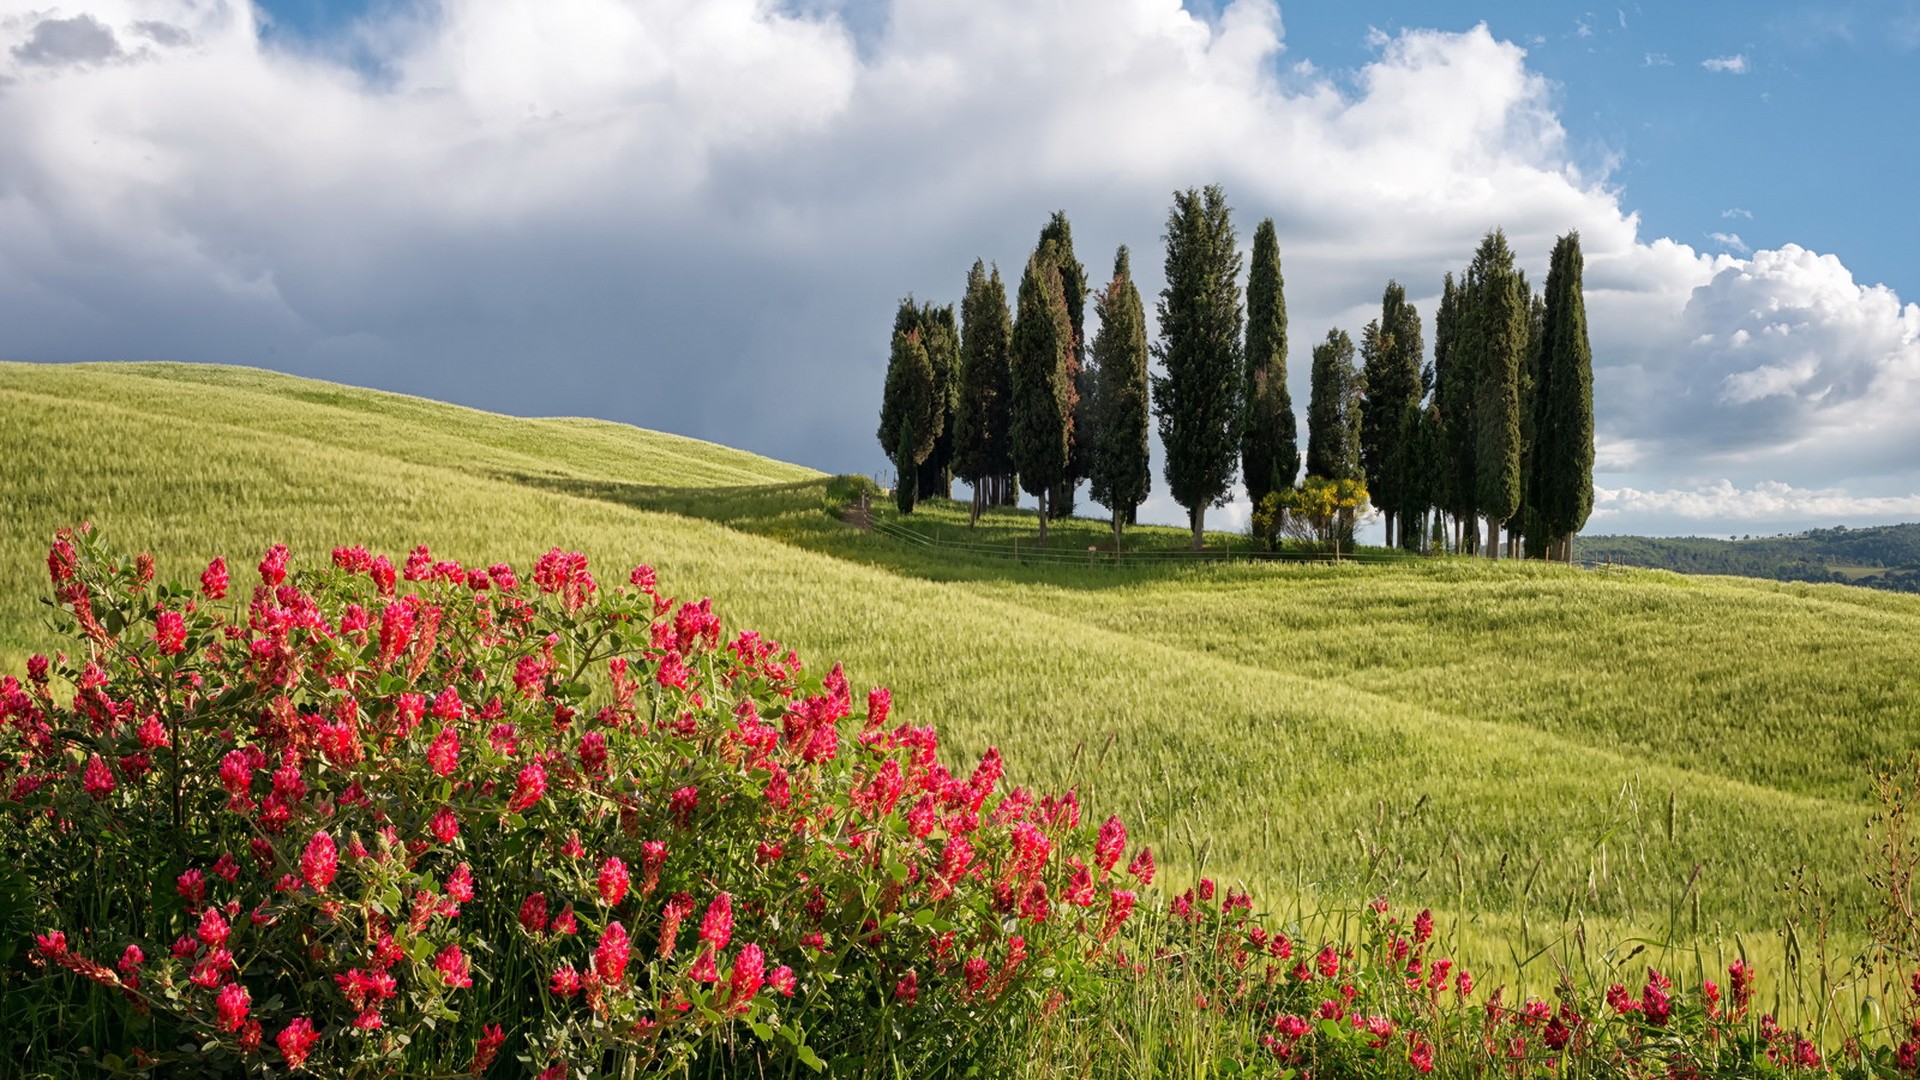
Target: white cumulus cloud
x,y
698,214
1726,65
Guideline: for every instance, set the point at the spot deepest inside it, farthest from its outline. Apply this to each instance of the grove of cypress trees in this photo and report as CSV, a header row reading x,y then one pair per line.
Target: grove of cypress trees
x,y
983,420
1498,341
1333,411
1073,291
941,338
1391,348
906,408
1269,442
1197,401
1121,472
1565,451
1042,338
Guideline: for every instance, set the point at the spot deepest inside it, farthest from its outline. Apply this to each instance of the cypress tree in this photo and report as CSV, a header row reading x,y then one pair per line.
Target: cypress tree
x,y
1041,339
1391,348
1197,401
940,335
1527,530
1453,394
1566,411
983,414
1333,412
1121,473
906,485
1080,424
1499,341
906,407
1269,444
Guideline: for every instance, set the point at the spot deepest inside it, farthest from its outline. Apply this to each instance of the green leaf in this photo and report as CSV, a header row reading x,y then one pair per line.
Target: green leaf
x,y
810,1059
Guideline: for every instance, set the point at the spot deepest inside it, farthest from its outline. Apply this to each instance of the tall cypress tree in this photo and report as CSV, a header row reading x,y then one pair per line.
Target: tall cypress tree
x,y
1042,337
1566,412
1391,348
906,410
1498,340
1121,473
1453,394
1333,411
1197,401
1269,443
1527,530
983,415
1080,424
940,335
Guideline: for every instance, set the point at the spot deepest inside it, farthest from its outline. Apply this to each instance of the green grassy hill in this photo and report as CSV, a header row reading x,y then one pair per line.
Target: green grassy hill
x,y
1541,747
1880,556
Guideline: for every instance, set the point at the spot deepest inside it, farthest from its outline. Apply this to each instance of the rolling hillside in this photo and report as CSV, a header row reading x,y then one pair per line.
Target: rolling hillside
x,y
1879,557
1539,745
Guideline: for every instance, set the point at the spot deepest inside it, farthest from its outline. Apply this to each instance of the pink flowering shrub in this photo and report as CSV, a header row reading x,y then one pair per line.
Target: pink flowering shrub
x,y
363,817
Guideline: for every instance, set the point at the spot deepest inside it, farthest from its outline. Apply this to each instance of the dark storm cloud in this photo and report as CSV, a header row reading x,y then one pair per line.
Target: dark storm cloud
x,y
81,39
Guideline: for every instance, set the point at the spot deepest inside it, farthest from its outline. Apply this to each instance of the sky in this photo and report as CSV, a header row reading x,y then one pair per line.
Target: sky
x,y
699,215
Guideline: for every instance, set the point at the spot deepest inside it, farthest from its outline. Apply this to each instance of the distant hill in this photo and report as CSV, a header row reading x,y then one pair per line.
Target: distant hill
x,y
1880,557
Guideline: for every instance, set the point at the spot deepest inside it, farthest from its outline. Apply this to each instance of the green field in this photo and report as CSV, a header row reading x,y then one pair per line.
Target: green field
x,y
1531,747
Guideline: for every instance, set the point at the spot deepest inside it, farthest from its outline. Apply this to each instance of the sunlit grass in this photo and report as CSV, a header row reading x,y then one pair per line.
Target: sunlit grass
x,y
1502,742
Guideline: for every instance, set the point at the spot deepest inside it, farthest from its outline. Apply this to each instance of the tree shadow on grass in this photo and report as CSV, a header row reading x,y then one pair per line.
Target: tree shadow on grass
x,y
796,513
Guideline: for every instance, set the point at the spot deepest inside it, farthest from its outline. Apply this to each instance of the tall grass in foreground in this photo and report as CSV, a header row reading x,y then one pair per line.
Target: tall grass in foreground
x,y
1529,751
407,817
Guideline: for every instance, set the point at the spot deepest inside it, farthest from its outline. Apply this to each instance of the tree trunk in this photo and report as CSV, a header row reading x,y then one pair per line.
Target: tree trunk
x,y
1493,539
1119,519
1197,518
1456,536
1043,517
973,511
1389,522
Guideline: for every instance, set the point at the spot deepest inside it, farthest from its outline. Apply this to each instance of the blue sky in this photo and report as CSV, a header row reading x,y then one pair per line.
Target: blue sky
x,y
560,206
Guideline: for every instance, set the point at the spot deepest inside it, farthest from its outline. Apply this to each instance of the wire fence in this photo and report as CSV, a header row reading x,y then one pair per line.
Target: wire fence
x,y
1103,556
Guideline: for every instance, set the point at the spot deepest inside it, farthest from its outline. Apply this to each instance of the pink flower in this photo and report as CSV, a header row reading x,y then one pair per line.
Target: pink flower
x,y
749,972
611,955
907,990
213,930
682,803
781,979
593,753
716,928
565,981
213,581
1142,866
1111,844
319,862
170,633
297,1040
273,566
613,882
460,883
232,1004
97,780
706,968
453,966
533,913
879,704
486,1048
1423,927
529,789
444,826
1328,962
444,754
1420,1056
